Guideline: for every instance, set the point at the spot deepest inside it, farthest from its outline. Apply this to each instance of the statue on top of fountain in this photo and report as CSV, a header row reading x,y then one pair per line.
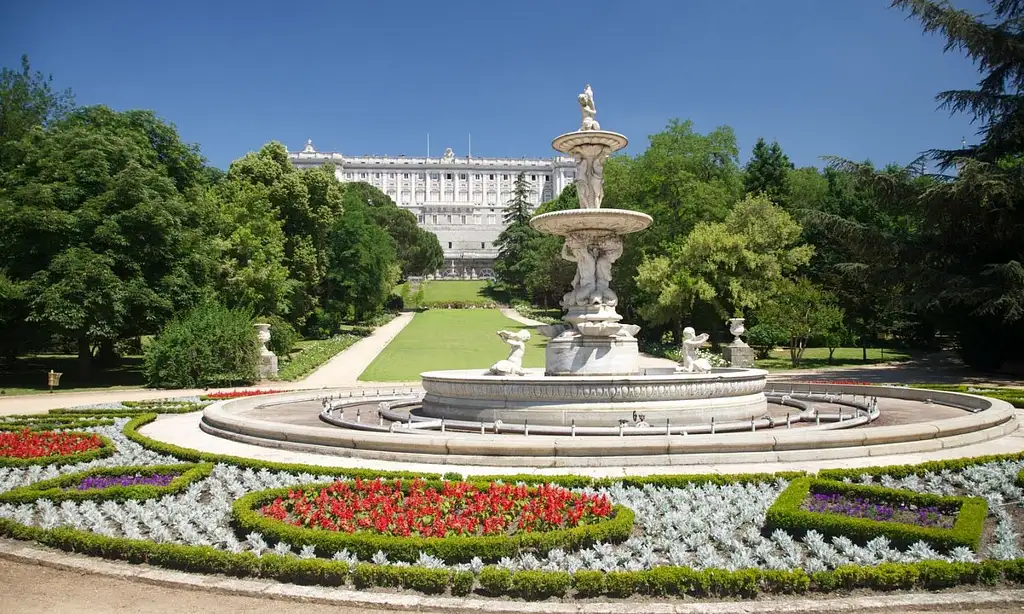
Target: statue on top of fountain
x,y
588,110
691,363
513,365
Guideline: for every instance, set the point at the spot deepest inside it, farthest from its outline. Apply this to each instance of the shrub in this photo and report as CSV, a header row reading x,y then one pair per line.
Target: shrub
x,y
209,346
462,583
540,584
283,335
765,337
495,581
588,583
786,514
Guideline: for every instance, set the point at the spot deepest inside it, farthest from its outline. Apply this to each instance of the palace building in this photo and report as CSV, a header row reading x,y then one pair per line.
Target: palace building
x,y
459,199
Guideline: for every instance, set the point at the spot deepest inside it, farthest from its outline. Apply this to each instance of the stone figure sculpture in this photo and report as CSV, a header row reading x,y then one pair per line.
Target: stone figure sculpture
x,y
692,341
588,110
576,249
609,248
590,175
513,365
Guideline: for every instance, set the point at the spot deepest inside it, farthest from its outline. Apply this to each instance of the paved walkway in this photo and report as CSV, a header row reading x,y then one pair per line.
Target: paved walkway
x,y
345,368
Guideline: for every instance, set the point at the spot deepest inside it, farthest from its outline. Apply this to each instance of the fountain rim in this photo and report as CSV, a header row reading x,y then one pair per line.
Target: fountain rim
x,y
568,142
609,221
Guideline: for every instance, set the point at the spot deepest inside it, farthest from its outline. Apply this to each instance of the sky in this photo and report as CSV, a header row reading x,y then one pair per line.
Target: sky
x,y
852,78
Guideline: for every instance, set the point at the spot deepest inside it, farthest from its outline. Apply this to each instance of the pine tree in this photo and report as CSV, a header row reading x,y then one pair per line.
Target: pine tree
x,y
768,172
995,42
512,265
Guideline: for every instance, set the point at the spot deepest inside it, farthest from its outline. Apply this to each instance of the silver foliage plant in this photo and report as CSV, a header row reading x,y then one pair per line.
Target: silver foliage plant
x,y
700,526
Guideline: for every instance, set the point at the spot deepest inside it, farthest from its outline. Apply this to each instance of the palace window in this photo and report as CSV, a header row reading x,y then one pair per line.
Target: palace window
x,y
405,175
448,176
376,175
490,219
449,245
421,219
547,177
491,177
504,177
463,219
533,178
433,219
483,245
462,176
362,175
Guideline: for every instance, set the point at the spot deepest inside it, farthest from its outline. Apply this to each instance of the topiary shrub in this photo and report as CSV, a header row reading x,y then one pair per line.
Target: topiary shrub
x,y
283,335
208,346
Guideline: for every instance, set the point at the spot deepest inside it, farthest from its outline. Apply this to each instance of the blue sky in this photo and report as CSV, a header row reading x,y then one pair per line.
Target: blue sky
x,y
840,77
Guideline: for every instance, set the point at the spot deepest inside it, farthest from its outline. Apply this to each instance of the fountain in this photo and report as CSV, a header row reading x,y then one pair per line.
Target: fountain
x,y
593,404
592,371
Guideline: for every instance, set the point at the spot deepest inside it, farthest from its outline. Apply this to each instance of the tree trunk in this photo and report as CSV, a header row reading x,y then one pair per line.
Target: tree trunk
x,y
793,356
84,356
831,351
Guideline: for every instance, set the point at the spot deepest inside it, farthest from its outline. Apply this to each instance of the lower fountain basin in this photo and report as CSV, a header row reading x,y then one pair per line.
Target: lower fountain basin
x,y
595,400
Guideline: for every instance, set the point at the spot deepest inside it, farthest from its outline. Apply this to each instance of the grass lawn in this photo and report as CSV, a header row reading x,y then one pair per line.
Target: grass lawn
x,y
449,339
27,374
816,358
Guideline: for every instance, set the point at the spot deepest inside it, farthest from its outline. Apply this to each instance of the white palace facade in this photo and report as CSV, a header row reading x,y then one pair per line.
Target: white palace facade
x,y
459,199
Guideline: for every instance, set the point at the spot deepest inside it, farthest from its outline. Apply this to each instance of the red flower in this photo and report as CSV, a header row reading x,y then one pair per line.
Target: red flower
x,y
412,509
37,444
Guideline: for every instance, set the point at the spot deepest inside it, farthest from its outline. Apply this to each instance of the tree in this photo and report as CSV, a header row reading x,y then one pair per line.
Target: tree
x,y
418,250
803,311
768,171
102,222
362,265
27,100
731,265
511,266
548,275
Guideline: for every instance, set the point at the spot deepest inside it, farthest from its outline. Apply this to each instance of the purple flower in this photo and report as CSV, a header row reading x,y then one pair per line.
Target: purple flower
x,y
926,516
158,479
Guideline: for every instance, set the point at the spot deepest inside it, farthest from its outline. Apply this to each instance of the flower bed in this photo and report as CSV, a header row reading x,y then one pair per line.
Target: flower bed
x,y
796,513
112,483
454,521
30,447
237,394
858,507
457,508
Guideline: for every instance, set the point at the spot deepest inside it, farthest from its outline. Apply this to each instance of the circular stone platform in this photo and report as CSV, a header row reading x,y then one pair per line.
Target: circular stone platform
x,y
913,421
595,400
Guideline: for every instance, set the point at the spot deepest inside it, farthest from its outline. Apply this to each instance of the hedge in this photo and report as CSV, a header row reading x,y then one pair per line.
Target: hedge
x,y
661,581
106,449
921,469
665,481
53,426
786,514
247,518
56,489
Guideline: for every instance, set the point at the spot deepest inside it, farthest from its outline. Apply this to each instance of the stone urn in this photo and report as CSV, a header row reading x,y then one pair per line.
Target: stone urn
x,y
268,360
736,328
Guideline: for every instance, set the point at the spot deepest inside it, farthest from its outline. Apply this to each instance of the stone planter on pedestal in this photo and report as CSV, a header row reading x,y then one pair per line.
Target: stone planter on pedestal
x,y
268,360
738,353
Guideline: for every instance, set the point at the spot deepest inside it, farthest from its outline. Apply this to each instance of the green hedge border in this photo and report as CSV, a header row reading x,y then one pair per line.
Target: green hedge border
x,y
452,549
786,514
54,489
106,449
659,582
54,426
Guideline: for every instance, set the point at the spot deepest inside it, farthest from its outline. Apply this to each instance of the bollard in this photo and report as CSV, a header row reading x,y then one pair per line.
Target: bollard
x,y
840,415
668,426
481,427
359,412
526,428
381,422
752,427
621,427
817,417
572,428
789,423
712,425
442,425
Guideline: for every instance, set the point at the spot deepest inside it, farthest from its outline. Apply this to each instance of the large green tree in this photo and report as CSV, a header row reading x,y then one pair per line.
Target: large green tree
x,y
548,275
27,101
101,221
418,250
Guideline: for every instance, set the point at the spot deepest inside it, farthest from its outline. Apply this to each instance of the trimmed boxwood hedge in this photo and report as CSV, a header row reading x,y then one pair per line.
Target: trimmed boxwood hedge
x,y
904,471
56,489
105,450
247,518
54,426
786,514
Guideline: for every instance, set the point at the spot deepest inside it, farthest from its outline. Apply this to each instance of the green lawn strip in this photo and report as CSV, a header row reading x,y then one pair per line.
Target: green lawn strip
x,y
450,339
106,449
786,514
247,518
817,358
312,355
62,488
457,293
1013,396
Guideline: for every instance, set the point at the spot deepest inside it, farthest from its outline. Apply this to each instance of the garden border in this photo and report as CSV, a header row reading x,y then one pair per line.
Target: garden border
x,y
54,488
787,515
452,549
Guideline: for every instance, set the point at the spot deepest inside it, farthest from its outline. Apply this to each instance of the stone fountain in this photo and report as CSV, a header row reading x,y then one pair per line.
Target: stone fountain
x,y
592,371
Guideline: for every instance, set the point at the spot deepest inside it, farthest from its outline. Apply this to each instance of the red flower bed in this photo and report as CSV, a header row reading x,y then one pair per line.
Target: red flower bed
x,y
459,508
235,394
37,444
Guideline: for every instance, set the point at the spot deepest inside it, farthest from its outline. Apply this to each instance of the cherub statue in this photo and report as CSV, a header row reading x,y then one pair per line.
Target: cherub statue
x,y
609,250
586,100
692,341
575,249
513,365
